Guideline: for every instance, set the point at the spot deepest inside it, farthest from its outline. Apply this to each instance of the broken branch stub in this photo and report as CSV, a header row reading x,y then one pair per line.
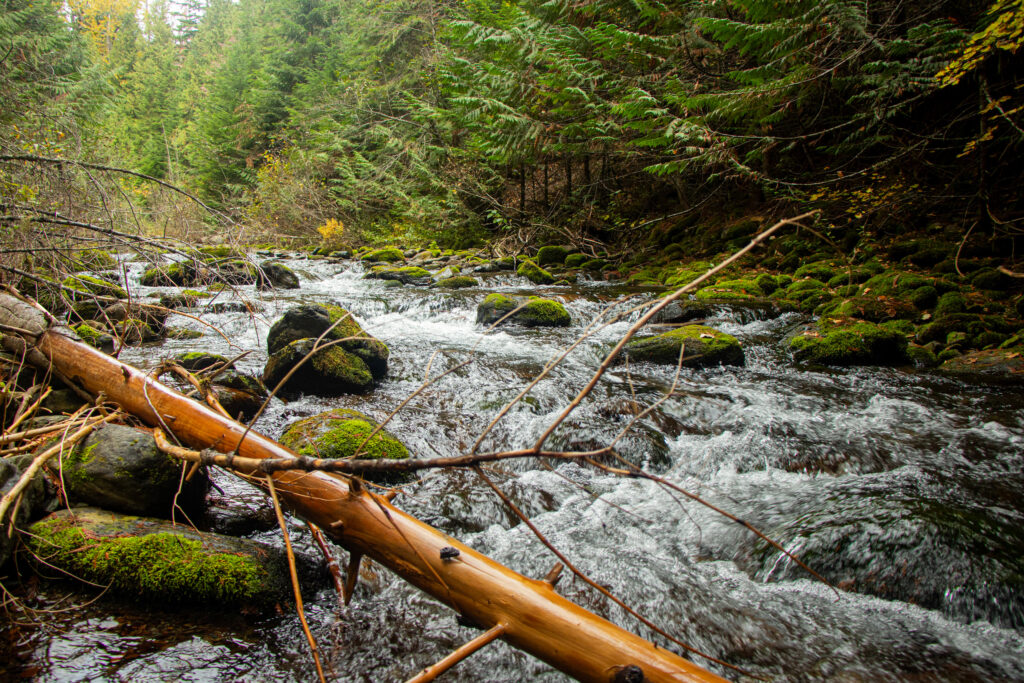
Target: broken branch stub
x,y
536,619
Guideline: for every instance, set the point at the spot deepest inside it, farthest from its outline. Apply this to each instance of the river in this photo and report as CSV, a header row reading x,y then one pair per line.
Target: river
x,y
904,488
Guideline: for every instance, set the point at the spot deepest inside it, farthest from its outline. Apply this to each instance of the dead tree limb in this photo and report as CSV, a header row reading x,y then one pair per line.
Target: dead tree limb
x,y
537,620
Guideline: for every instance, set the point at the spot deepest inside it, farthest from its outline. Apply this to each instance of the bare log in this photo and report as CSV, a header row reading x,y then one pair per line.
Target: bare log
x,y
534,617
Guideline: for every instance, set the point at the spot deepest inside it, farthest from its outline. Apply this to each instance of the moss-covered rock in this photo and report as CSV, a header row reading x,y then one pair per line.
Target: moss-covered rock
x,y
311,321
458,282
153,560
386,255
178,274
552,255
922,356
743,289
342,434
534,273
924,297
220,251
990,279
895,283
874,309
575,260
94,285
505,263
274,275
1000,365
535,311
701,346
595,264
239,394
407,275
766,283
197,361
95,337
94,259
856,343
182,333
136,331
120,468
820,270
330,371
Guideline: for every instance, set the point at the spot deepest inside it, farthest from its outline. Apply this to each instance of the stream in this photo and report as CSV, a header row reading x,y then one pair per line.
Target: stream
x,y
903,488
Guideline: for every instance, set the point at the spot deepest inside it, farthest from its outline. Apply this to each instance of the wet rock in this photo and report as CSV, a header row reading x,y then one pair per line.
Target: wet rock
x,y
237,273
197,361
95,337
36,500
999,365
330,371
154,560
388,255
273,275
241,395
730,290
120,468
534,273
703,347
851,343
407,275
340,433
537,312
458,282
309,321
178,274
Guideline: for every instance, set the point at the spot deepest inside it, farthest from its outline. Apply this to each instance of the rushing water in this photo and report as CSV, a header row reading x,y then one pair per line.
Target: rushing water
x,y
904,489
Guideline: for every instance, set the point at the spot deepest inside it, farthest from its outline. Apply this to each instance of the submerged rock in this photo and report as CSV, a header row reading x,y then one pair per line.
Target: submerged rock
x,y
536,312
120,468
154,559
703,347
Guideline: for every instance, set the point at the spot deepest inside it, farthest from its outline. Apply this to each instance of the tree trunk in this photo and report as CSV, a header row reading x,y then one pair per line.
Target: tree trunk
x,y
535,618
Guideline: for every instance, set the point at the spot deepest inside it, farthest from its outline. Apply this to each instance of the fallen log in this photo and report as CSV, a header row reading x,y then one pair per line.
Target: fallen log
x,y
526,613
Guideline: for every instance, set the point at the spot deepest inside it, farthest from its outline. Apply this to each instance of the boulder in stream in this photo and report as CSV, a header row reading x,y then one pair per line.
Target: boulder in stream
x,y
274,275
120,468
850,343
996,365
156,560
702,347
407,275
341,433
536,312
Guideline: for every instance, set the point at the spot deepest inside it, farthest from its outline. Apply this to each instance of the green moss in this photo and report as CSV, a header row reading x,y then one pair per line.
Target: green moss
x,y
457,282
534,273
874,309
195,293
703,346
159,565
94,259
950,303
821,270
500,302
855,344
595,264
730,289
575,260
552,255
339,364
183,333
220,251
766,283
543,313
924,297
94,285
990,279
90,335
340,433
895,283
922,356
388,254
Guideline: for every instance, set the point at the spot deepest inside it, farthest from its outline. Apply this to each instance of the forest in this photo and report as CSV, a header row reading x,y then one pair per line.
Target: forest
x,y
717,305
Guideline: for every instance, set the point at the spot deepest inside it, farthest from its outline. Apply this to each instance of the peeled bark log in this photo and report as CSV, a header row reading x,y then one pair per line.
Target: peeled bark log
x,y
535,618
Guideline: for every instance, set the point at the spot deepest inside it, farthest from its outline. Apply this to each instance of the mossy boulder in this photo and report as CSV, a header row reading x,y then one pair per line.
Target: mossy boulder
x,y
182,333
237,272
895,283
274,275
178,274
575,260
820,270
95,337
458,282
94,259
506,263
534,273
407,275
851,343
309,321
702,347
535,311
120,468
150,559
341,433
595,264
136,331
197,361
950,303
552,255
874,309
766,283
731,290
239,394
94,285
330,371
220,251
998,365
386,255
